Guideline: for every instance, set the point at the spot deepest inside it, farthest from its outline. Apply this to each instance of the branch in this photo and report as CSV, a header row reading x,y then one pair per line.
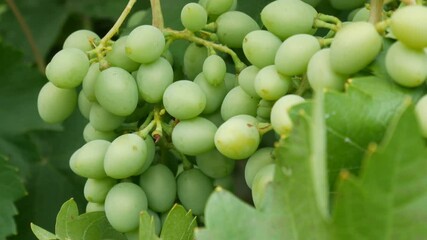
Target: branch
x,y
376,13
41,65
157,13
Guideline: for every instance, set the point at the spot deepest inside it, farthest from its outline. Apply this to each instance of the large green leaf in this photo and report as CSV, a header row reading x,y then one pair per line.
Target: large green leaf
x,y
11,189
389,199
147,228
179,224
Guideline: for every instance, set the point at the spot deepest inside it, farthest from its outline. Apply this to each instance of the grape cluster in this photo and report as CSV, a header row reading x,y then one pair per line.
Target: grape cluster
x,y
153,140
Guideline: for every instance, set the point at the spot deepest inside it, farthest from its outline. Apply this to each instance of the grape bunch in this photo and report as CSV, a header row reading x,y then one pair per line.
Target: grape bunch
x,y
154,139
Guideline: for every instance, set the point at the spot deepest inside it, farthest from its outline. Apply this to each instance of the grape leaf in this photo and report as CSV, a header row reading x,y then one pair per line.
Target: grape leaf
x,y
147,228
43,234
68,212
179,224
389,199
11,189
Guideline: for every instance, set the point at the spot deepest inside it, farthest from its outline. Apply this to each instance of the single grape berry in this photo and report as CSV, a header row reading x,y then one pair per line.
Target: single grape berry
x,y
233,26
214,69
260,47
280,119
194,17
83,39
145,44
409,25
56,104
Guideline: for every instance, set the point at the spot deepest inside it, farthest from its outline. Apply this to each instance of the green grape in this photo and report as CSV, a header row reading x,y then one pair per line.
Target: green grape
x,y
230,81
88,85
151,150
193,189
233,26
285,18
259,184
123,204
56,104
137,18
90,134
313,3
264,110
67,68
215,165
81,39
125,156
280,119
214,69
238,137
260,47
194,136
346,5
153,79
168,56
361,15
294,54
320,73
214,94
246,80
262,157
354,47
95,190
271,85
88,161
159,184
145,44
102,120
217,7
194,56
132,235
116,91
226,182
215,118
421,114
84,104
184,99
406,66
409,25
95,207
238,102
194,17
117,56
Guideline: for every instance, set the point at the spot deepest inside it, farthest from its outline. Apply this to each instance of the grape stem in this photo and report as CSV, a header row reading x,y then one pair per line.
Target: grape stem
x,y
156,9
158,132
189,36
264,128
376,12
303,86
327,21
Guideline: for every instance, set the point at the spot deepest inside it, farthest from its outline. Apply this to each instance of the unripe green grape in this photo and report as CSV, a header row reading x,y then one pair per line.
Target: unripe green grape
x,y
262,157
285,18
191,142
194,17
194,57
90,134
95,207
67,68
294,54
145,44
123,204
137,18
238,137
361,15
271,85
421,114
354,47
406,66
409,25
125,156
194,189
233,26
264,110
313,3
259,184
215,118
153,79
280,119
81,39
238,102
56,104
184,99
158,183
214,94
226,182
88,161
214,164
117,56
320,73
84,105
102,120
95,190
230,81
151,150
246,80
346,5
260,47
88,85
214,69
217,7
116,91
